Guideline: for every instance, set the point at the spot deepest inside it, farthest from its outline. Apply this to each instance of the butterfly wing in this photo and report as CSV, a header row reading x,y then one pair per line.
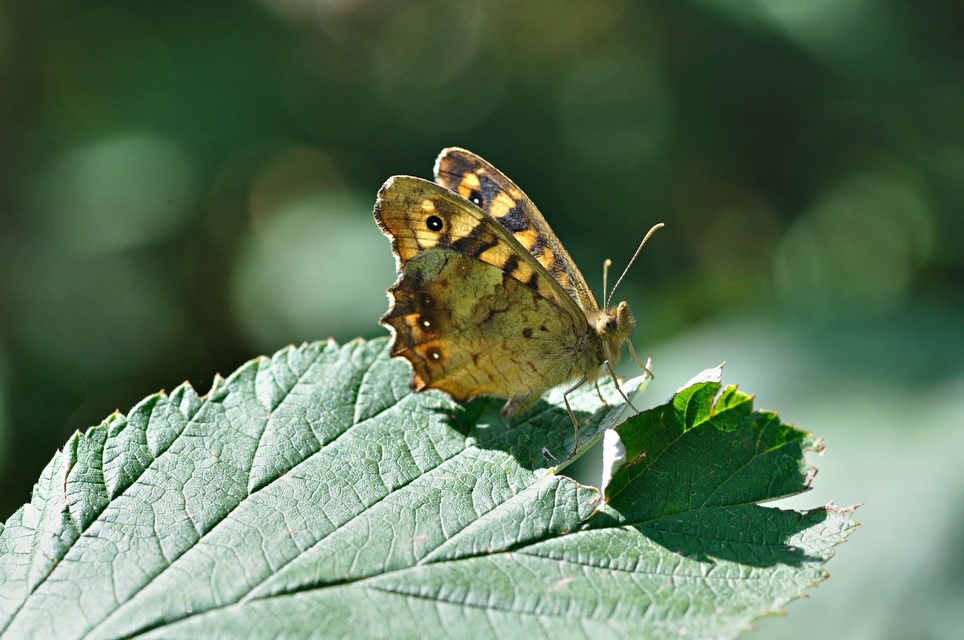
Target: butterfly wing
x,y
472,310
489,189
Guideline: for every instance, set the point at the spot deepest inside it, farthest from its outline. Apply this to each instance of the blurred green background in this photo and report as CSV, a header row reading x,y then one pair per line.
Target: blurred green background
x,y
184,186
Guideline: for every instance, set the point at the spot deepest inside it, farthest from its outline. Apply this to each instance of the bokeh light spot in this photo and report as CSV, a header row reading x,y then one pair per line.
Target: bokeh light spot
x,y
314,269
122,191
857,249
429,67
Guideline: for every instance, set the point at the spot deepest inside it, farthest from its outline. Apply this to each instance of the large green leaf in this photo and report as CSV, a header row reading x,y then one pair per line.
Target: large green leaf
x,y
312,495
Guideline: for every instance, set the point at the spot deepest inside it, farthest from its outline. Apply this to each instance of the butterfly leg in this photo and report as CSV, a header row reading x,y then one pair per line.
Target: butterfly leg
x,y
575,423
519,404
599,393
632,354
612,374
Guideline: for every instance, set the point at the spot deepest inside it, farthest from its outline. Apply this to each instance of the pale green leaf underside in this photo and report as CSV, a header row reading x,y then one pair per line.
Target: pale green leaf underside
x,y
312,495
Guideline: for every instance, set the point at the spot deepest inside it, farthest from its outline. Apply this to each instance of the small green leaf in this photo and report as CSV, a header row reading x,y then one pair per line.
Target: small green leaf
x,y
313,495
692,453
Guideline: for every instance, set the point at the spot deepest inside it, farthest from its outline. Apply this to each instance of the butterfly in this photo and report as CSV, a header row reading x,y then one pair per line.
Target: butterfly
x,y
488,302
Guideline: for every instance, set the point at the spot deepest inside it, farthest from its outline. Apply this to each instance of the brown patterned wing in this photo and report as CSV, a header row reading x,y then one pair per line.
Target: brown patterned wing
x,y
489,189
472,311
418,216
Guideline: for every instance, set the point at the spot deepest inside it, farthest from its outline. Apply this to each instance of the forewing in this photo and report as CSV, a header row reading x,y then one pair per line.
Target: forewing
x,y
488,188
418,216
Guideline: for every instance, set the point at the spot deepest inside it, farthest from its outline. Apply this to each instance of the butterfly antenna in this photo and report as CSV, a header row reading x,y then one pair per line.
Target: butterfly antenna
x,y
606,264
654,229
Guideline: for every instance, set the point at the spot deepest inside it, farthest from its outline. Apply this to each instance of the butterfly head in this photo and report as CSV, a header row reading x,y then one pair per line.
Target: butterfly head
x,y
613,326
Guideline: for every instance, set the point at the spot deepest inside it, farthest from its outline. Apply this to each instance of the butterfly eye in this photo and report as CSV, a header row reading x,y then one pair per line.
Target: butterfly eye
x,y
476,198
434,223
